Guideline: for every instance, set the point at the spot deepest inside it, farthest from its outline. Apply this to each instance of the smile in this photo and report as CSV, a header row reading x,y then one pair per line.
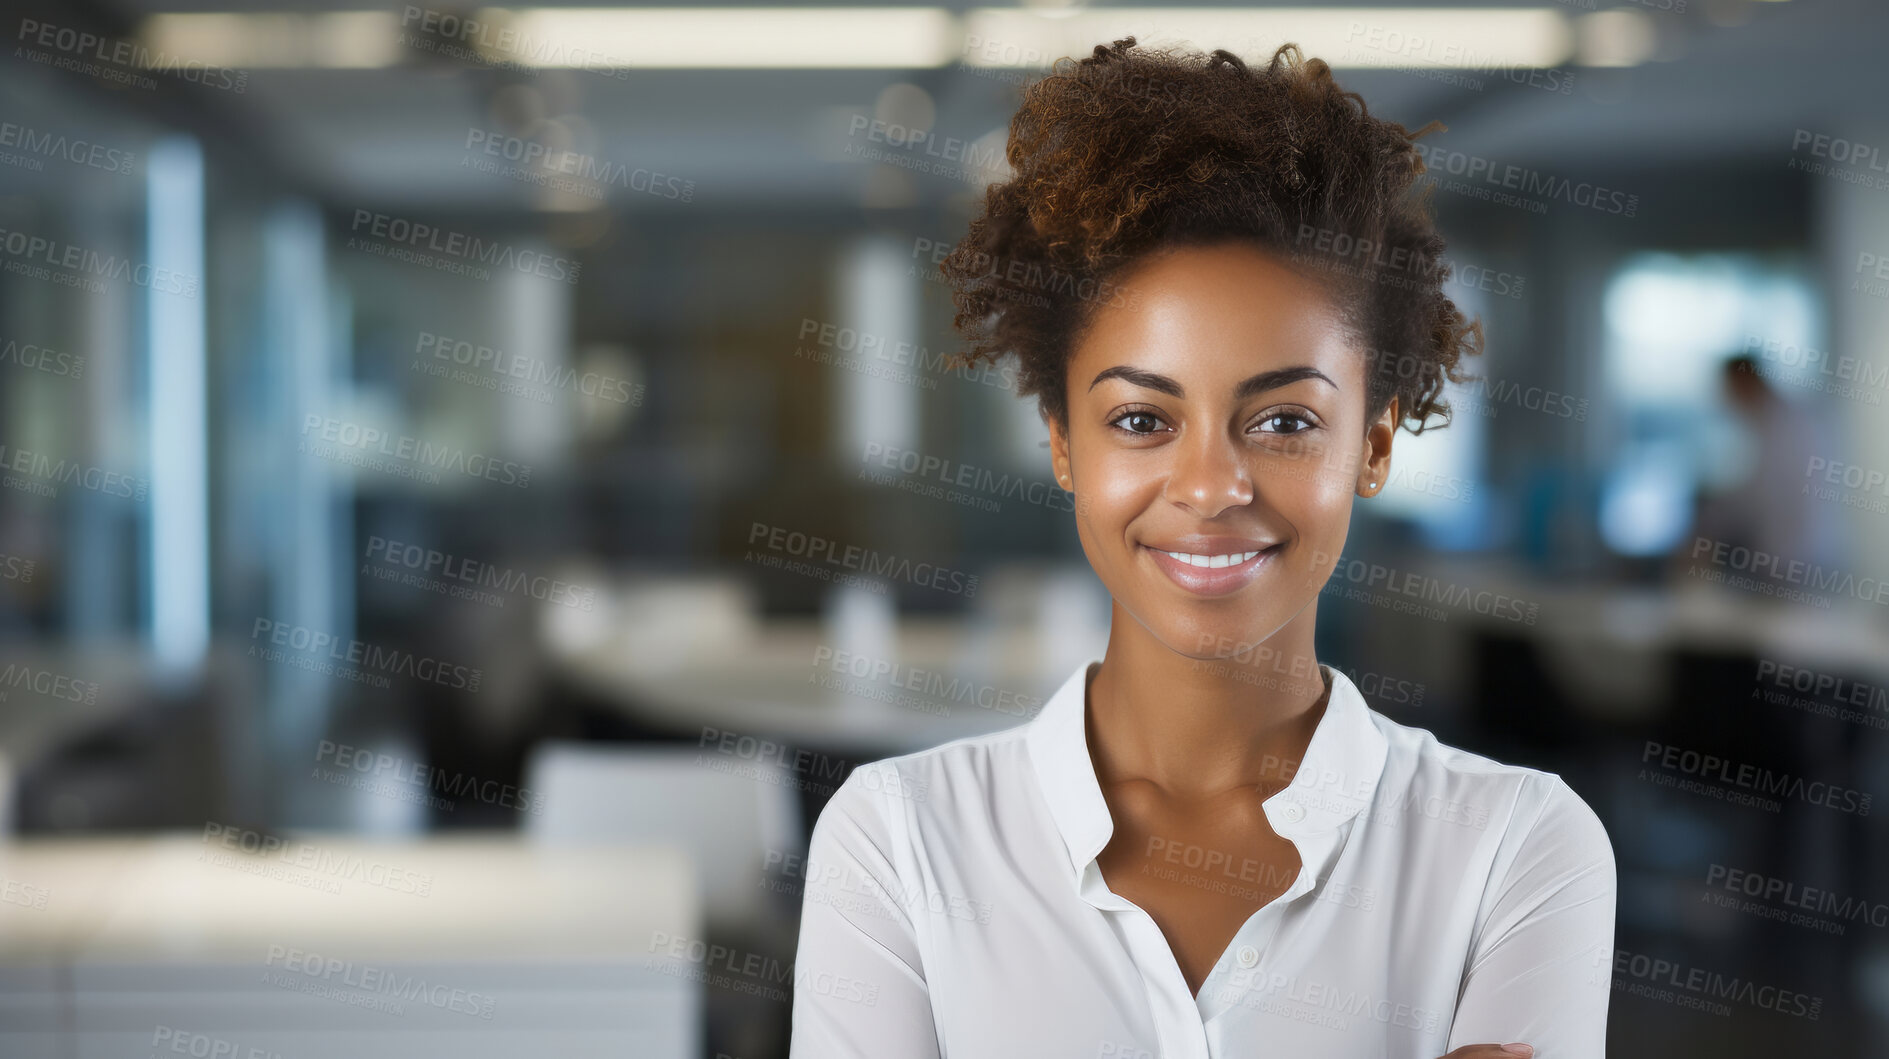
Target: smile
x,y
1211,575
1212,560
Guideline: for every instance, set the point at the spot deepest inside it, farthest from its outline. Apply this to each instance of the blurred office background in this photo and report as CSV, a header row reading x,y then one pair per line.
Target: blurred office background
x,y
477,479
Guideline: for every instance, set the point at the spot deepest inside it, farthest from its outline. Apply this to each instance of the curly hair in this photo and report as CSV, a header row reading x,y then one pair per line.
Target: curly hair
x,y
1136,150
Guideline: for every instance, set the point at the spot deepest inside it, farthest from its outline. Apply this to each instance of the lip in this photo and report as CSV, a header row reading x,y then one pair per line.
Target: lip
x,y
1212,581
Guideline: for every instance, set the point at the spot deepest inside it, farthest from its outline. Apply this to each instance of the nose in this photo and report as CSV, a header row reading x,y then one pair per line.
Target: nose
x,y
1209,476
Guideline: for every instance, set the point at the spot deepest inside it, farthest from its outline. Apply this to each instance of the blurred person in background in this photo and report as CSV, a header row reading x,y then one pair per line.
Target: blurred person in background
x,y
1226,301
1769,509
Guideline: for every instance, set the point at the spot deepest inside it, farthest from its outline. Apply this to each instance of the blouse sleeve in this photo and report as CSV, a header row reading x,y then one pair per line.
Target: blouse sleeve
x,y
859,983
1540,969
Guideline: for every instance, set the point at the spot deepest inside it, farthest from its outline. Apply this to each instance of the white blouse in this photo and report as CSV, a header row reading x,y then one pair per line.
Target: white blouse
x,y
954,909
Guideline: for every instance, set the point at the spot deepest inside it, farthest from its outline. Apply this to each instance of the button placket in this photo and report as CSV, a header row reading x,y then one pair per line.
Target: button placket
x,y
1177,1024
1234,975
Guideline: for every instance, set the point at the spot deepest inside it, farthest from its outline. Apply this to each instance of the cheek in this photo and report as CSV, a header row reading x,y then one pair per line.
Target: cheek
x,y
1310,489
1111,494
1314,496
1112,490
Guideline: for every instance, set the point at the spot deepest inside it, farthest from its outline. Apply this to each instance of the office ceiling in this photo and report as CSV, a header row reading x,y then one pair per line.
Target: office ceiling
x,y
1731,79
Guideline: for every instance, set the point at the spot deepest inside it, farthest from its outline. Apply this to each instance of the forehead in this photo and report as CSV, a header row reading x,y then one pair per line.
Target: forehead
x,y
1220,312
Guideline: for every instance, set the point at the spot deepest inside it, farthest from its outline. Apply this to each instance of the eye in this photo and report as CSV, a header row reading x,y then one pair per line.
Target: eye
x,y
1144,422
1286,421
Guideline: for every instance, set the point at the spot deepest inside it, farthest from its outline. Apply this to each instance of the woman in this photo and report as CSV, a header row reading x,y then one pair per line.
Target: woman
x,y
1206,844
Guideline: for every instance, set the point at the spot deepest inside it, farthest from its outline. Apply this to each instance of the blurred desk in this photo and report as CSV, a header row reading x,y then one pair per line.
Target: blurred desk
x,y
1615,643
333,946
54,696
786,682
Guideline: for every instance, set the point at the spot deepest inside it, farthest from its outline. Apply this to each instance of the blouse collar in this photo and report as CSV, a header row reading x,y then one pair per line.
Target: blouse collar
x,y
1333,783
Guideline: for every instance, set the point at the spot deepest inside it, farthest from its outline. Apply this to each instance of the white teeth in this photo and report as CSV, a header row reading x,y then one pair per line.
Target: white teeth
x,y
1212,561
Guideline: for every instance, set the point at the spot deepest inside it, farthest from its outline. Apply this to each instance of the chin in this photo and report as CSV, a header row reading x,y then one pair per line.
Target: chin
x,y
1210,640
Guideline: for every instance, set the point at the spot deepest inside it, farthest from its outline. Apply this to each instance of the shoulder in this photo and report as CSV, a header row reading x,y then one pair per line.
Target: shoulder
x,y
1519,803
890,795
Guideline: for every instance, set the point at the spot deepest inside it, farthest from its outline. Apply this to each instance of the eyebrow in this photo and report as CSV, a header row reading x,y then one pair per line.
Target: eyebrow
x,y
1265,380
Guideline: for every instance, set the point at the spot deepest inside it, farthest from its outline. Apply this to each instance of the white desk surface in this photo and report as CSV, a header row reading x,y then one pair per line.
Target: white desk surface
x,y
180,898
768,685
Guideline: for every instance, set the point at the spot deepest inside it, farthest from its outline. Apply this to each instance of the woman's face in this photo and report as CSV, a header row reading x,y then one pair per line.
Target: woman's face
x,y
1221,416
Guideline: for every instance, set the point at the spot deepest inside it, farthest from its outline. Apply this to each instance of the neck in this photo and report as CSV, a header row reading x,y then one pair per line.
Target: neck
x,y
1197,728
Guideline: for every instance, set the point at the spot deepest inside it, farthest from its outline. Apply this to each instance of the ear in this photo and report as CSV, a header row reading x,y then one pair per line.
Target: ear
x,y
1375,469
1059,454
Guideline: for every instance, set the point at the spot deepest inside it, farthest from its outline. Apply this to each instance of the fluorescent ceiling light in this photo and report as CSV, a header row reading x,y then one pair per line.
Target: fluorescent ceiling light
x,y
338,40
1617,38
1458,37
759,38
746,37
